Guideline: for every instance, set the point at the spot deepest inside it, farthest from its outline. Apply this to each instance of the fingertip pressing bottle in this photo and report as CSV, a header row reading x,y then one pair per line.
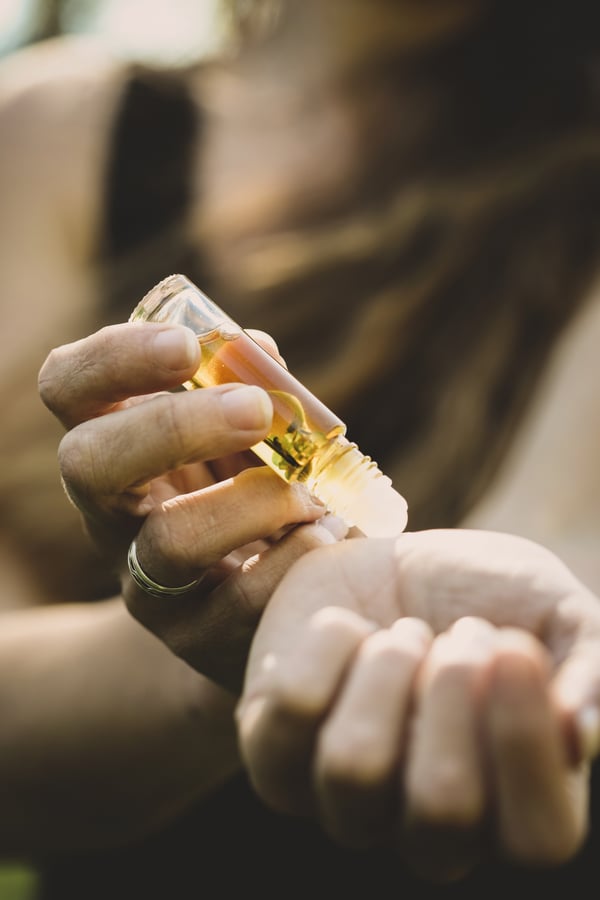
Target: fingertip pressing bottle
x,y
307,442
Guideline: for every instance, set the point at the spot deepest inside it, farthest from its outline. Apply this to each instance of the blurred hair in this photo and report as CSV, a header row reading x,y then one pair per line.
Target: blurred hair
x,y
412,213
420,280
251,20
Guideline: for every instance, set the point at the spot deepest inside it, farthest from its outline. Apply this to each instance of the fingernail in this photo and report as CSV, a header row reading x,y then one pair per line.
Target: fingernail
x,y
335,525
247,407
176,348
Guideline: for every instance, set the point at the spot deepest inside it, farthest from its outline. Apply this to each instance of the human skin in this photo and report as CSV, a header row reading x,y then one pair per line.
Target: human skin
x,y
438,693
81,746
132,462
79,89
479,648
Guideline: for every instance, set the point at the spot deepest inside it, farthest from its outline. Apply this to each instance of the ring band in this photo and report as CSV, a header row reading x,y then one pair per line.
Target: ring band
x,y
153,587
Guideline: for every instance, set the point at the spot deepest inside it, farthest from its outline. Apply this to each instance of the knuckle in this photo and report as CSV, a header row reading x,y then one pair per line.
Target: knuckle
x,y
383,648
293,700
65,368
448,797
47,382
445,672
104,349
248,598
76,462
174,538
352,758
177,423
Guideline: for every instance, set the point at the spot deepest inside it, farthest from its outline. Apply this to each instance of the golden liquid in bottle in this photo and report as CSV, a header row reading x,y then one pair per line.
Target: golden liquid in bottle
x,y
302,425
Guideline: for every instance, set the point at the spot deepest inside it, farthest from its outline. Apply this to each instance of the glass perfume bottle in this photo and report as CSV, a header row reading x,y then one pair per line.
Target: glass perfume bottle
x,y
307,442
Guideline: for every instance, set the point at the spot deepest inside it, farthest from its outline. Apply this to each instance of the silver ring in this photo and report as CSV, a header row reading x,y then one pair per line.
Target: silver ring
x,y
149,586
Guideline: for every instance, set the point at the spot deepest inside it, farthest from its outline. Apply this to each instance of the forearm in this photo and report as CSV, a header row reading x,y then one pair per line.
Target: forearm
x,y
104,733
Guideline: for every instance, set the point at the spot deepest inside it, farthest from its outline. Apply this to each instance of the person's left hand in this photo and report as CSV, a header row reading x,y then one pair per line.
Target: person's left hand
x,y
438,693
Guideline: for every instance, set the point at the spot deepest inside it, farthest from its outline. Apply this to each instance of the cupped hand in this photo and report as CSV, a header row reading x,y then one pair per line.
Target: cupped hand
x,y
436,693
171,469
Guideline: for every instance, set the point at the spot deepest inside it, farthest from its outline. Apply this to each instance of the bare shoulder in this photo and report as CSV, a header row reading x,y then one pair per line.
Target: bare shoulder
x,y
57,100
67,82
56,77
57,103
549,489
55,60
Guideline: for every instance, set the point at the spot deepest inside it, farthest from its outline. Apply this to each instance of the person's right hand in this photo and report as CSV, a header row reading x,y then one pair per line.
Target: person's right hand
x,y
170,469
437,693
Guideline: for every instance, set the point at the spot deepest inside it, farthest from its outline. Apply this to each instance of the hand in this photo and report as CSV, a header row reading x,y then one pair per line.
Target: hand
x,y
438,693
134,462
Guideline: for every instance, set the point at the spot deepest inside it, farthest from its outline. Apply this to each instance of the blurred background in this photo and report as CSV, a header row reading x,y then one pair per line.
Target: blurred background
x,y
464,134
169,31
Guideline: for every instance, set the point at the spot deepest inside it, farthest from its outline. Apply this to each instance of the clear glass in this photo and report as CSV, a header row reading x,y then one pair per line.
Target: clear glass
x,y
307,442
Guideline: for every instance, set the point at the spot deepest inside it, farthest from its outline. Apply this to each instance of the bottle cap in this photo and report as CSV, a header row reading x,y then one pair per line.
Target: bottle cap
x,y
379,510
354,488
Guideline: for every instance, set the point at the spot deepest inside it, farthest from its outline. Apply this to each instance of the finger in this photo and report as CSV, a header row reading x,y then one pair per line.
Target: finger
x,y
445,792
538,796
107,457
81,380
360,745
180,539
577,697
282,708
213,630
358,573
267,343
576,686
